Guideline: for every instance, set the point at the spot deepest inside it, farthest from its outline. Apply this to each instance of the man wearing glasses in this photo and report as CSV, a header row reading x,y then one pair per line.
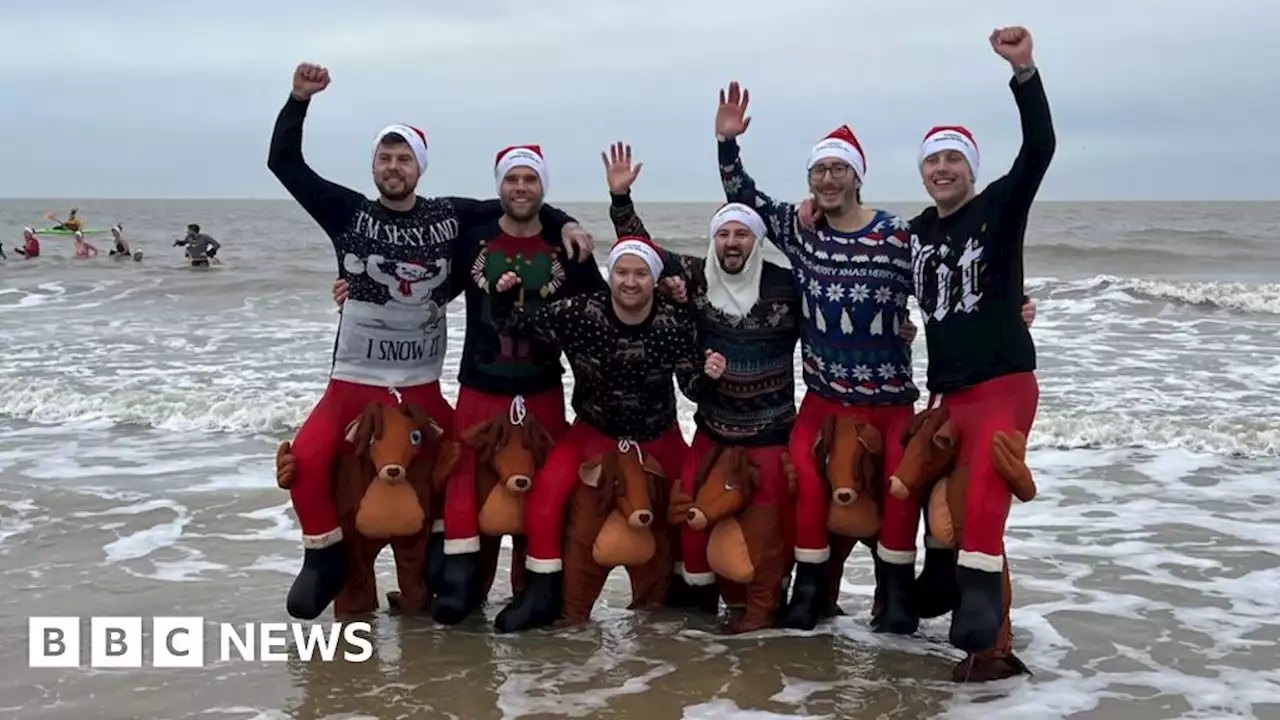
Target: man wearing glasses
x,y
853,274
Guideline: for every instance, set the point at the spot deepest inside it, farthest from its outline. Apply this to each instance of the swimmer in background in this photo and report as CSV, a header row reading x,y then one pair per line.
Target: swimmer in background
x,y
201,248
30,244
83,248
121,248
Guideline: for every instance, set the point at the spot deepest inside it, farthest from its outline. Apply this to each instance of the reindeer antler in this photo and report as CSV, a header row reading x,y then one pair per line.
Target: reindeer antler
x,y
284,465
1009,455
789,469
679,505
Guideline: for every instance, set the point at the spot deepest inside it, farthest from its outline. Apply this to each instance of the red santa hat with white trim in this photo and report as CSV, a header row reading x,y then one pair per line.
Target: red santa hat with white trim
x,y
951,137
515,156
639,246
416,138
841,144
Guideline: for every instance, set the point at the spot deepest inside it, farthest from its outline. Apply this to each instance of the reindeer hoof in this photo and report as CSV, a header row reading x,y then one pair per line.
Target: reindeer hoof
x,y
986,668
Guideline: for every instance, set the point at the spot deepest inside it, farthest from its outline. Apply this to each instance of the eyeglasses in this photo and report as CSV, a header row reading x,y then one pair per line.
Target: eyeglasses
x,y
838,171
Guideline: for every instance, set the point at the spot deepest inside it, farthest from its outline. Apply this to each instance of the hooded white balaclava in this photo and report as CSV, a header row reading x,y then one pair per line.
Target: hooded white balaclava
x,y
729,293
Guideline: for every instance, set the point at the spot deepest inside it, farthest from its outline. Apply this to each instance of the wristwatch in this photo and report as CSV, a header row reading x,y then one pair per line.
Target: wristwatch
x,y
1024,71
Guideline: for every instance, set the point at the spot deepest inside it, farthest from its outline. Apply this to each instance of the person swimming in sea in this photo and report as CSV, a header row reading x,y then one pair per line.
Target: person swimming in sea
x,y
30,244
83,248
120,245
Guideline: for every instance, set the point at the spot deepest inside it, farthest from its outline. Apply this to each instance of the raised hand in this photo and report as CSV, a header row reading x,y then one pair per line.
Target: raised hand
x,y
731,116
618,171
309,79
1012,44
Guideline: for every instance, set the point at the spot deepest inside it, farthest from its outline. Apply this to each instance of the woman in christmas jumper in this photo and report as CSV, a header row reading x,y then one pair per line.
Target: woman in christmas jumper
x,y
747,312
623,345
395,253
853,275
967,252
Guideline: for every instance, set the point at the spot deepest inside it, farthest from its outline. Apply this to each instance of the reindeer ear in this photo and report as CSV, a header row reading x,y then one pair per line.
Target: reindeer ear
x,y
474,436
446,462
822,441
352,428
652,466
945,437
589,472
914,427
870,438
367,428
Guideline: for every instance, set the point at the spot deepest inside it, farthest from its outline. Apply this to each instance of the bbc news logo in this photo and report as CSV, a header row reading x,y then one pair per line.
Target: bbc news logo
x,y
179,642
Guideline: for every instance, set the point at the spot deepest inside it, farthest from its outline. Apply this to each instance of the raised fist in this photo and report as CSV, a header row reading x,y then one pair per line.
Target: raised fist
x,y
1012,44
308,80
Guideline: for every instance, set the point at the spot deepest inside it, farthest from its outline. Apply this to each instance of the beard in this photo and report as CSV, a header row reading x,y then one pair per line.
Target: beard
x,y
733,263
521,213
395,187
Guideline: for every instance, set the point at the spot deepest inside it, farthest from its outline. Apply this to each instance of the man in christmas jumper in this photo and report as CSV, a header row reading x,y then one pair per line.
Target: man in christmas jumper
x,y
395,254
623,344
498,373
853,274
967,254
748,313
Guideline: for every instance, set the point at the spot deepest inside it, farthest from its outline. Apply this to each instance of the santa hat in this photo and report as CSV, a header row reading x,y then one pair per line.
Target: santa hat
x,y
842,145
529,156
737,212
640,247
951,137
416,138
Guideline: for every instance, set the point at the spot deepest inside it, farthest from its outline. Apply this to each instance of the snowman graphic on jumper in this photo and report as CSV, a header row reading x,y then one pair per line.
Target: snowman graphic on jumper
x,y
400,341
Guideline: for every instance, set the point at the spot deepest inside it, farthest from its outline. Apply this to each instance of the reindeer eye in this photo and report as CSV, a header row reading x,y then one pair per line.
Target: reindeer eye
x,y
415,437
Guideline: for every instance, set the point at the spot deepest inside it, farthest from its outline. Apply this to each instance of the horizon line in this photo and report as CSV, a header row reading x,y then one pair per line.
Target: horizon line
x,y
605,201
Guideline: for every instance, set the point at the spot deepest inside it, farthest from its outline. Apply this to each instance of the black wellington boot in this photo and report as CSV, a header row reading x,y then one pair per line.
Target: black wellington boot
x,y
321,579
936,591
540,605
435,561
702,598
810,595
975,624
899,615
459,590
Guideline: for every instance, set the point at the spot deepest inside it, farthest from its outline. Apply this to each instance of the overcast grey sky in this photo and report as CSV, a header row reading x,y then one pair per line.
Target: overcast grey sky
x,y
1153,99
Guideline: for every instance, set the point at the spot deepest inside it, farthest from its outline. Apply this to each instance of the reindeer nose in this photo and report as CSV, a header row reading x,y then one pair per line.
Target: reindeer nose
x,y
697,519
519,483
392,471
844,496
641,518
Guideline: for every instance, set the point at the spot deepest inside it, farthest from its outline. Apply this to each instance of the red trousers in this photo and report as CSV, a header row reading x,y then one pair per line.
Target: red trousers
x,y
316,447
460,522
812,492
554,483
771,490
1006,404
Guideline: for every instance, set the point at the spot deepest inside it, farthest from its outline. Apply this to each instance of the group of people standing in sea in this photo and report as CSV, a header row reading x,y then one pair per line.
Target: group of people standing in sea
x,y
725,325
200,248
